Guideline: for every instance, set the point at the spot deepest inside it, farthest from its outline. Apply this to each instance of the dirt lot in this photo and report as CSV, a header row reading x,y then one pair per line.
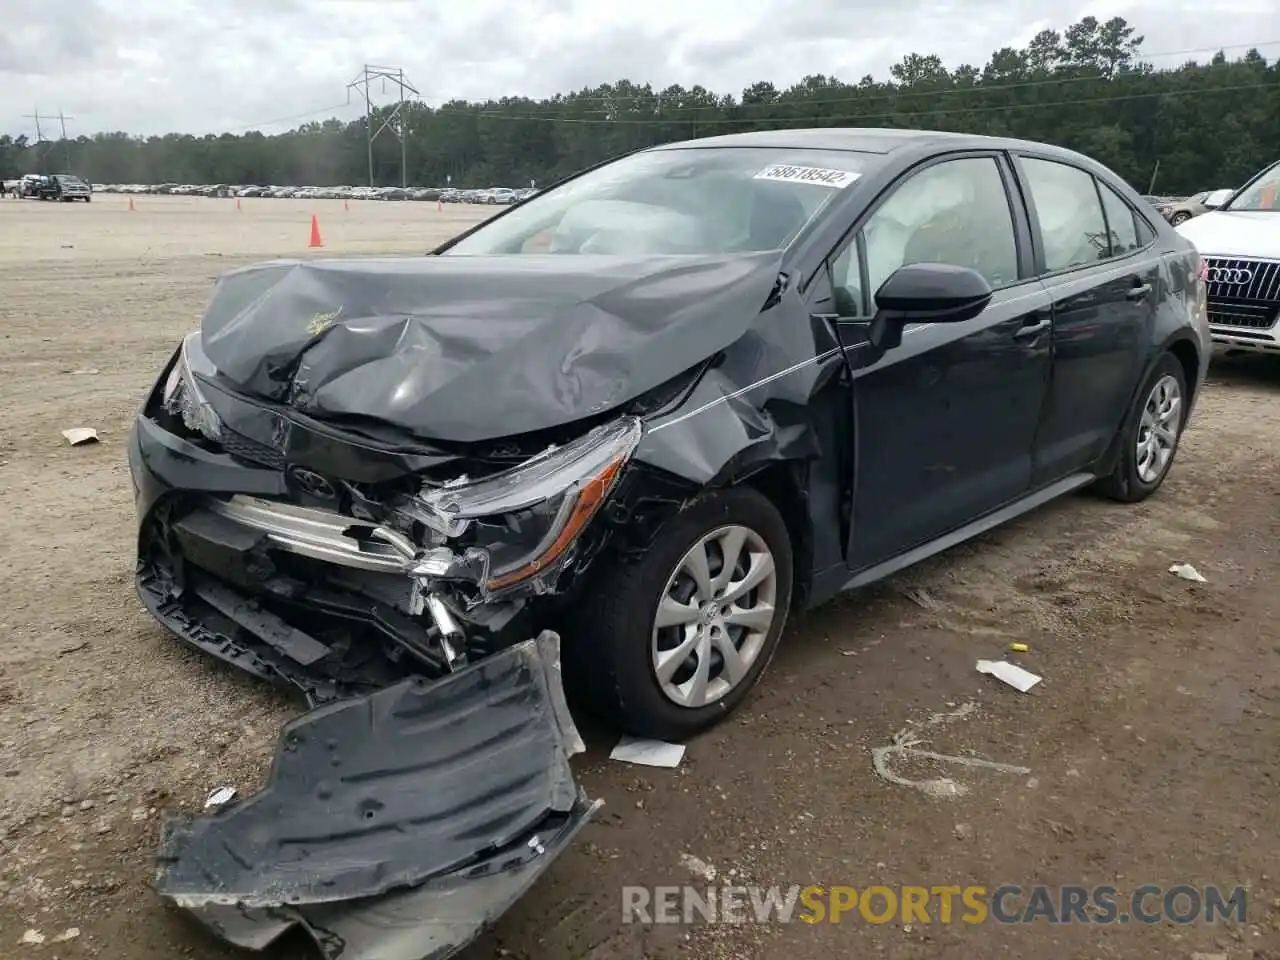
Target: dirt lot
x,y
1152,742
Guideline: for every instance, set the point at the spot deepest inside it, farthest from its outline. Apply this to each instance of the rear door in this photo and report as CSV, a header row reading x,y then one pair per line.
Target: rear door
x,y
1096,256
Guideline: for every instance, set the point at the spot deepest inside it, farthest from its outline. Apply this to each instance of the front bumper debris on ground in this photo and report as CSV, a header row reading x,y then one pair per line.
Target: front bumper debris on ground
x,y
397,825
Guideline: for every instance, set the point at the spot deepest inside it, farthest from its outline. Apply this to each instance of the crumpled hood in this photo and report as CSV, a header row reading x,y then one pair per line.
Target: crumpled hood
x,y
473,348
1235,233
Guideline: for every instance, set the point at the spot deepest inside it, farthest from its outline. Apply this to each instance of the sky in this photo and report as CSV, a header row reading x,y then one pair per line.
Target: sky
x,y
199,66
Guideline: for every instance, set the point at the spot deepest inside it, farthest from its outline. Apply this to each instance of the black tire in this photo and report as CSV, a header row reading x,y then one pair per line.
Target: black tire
x,y
1124,483
1182,216
608,653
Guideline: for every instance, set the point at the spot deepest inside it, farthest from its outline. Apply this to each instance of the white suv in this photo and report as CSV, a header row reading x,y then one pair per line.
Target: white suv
x,y
1240,243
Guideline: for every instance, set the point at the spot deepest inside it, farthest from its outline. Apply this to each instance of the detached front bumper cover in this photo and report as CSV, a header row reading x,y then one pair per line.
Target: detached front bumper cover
x,y
394,826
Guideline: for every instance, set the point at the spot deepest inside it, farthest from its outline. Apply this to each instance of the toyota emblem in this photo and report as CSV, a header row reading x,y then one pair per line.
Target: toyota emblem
x,y
1232,276
311,483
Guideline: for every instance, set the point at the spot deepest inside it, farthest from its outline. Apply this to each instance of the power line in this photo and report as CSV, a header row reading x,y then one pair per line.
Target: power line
x,y
571,99
299,116
793,101
827,118
979,87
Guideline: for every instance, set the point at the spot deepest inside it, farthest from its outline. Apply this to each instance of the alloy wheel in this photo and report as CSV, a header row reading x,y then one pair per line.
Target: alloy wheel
x,y
714,616
1158,429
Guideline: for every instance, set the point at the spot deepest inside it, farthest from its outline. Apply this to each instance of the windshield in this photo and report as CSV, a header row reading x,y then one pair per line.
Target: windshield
x,y
706,200
1262,194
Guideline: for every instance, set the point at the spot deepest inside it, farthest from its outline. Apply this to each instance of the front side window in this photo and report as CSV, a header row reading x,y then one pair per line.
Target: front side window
x,y
1070,214
1261,195
705,200
954,212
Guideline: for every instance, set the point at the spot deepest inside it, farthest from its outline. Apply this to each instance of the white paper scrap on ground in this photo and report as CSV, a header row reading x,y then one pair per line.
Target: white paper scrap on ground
x,y
78,435
220,797
1187,572
1012,674
648,753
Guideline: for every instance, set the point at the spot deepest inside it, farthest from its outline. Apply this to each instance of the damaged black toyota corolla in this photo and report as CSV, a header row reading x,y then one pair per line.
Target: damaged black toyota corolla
x,y
653,409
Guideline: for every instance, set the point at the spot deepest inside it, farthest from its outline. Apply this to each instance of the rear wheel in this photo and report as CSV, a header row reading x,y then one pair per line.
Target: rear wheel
x,y
1150,436
1182,216
672,644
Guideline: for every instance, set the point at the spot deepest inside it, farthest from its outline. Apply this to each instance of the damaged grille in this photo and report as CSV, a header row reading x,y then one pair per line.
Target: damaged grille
x,y
251,451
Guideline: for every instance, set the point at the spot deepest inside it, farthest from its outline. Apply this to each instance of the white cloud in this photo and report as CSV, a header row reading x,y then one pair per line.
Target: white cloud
x,y
155,66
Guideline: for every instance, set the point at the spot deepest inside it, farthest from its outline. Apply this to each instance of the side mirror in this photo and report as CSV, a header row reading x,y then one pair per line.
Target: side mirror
x,y
1217,198
926,293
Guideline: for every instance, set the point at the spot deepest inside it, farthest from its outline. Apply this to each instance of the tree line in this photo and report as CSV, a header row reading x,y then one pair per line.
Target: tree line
x,y
1206,125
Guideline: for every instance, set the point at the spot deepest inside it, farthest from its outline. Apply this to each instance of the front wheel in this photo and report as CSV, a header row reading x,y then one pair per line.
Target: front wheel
x,y
1150,436
1182,216
672,644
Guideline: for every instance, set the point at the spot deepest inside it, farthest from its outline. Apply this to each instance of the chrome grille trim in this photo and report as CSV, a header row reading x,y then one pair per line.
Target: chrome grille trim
x,y
1243,292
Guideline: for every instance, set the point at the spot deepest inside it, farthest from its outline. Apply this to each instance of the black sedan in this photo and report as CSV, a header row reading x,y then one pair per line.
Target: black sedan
x,y
657,407
648,411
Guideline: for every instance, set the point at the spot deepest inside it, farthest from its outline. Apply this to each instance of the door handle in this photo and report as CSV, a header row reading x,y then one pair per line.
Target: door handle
x,y
1139,292
1032,329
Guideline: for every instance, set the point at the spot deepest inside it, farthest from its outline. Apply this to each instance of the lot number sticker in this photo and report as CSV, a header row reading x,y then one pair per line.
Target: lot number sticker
x,y
839,179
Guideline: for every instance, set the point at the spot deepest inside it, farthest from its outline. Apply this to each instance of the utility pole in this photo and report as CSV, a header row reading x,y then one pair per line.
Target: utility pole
x,y
396,76
62,119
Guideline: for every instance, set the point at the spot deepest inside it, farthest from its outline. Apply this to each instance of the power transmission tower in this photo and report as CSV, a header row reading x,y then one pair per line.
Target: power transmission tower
x,y
395,75
62,120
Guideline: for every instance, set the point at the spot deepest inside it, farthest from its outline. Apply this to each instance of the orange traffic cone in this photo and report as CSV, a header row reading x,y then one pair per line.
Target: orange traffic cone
x,y
345,205
439,205
237,203
131,206
315,233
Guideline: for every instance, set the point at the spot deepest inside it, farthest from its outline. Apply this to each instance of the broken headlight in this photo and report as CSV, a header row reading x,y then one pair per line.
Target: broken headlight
x,y
526,519
182,396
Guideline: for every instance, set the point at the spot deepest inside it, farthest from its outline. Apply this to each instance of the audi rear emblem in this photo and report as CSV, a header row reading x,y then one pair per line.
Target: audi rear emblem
x,y
1230,275
311,482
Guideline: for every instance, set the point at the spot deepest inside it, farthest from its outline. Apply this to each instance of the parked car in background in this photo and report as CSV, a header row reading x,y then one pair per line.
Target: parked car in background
x,y
1240,241
504,195
1180,211
56,186
68,187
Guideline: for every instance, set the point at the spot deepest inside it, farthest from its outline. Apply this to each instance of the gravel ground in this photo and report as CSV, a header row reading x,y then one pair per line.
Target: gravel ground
x,y
1151,743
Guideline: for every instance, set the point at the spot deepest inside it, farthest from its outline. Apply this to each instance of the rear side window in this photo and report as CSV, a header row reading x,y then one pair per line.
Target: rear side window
x,y
1122,223
1070,214
1146,232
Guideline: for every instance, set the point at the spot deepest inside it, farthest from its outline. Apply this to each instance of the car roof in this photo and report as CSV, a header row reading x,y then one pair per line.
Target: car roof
x,y
883,140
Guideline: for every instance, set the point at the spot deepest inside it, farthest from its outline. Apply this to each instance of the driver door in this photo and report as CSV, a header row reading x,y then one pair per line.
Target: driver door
x,y
944,423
